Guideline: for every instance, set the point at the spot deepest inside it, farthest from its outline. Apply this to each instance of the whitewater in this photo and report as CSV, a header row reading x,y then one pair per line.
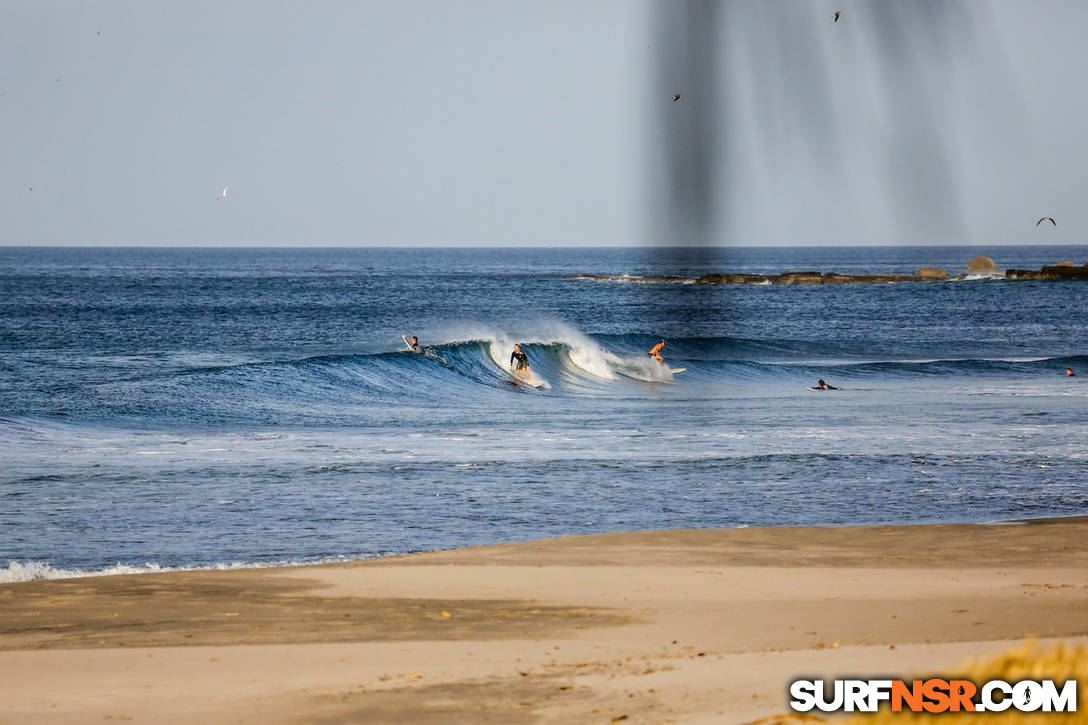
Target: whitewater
x,y
191,408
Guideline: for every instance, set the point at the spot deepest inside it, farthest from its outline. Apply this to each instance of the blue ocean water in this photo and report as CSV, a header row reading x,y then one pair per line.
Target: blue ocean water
x,y
212,407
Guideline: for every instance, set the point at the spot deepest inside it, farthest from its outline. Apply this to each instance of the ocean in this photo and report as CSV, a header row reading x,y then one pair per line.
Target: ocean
x,y
181,408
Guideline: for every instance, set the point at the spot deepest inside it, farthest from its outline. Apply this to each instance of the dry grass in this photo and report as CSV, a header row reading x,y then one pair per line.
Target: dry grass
x,y
1026,662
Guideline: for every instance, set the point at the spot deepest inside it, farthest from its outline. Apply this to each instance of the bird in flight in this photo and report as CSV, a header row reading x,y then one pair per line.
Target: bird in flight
x,y
1046,219
223,193
676,98
837,13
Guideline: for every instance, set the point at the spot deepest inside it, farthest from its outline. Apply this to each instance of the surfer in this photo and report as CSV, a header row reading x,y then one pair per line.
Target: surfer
x,y
522,370
414,345
655,352
821,385
1069,373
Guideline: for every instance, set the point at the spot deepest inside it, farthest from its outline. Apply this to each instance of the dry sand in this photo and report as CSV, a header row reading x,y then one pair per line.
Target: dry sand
x,y
668,626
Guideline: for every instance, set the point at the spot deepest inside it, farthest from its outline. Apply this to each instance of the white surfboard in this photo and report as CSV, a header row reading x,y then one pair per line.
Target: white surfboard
x,y
532,382
674,371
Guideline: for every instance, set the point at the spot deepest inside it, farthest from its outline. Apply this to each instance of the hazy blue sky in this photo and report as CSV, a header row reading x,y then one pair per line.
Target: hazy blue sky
x,y
541,123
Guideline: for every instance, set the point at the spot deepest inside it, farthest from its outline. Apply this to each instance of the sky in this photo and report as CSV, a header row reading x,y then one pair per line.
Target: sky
x,y
511,123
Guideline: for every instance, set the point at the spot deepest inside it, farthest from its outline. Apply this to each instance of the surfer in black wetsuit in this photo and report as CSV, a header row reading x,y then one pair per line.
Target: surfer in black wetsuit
x,y
1069,373
522,370
414,344
821,385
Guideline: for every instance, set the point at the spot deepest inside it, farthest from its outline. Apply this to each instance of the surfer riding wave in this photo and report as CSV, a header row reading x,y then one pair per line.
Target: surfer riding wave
x,y
523,372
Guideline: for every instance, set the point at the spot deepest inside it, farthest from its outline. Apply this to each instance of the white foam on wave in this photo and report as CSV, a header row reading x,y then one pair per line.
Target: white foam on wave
x,y
976,277
592,359
584,353
28,571
641,367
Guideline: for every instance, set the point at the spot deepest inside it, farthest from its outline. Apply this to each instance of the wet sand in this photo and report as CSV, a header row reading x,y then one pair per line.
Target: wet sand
x,y
670,626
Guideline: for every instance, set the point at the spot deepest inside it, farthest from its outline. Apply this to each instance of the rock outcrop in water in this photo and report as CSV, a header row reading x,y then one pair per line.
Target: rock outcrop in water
x,y
982,265
978,265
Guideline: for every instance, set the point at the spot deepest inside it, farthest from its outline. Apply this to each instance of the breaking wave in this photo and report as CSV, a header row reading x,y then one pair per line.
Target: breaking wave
x,y
333,389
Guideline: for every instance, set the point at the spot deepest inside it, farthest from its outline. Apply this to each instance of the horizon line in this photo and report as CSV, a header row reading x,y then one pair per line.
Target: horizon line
x,y
534,246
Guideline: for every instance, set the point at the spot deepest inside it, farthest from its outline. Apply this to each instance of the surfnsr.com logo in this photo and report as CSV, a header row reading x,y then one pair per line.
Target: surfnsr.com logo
x,y
933,695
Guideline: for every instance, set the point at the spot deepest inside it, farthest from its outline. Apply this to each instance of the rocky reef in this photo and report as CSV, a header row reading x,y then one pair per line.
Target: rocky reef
x,y
784,278
1059,272
978,265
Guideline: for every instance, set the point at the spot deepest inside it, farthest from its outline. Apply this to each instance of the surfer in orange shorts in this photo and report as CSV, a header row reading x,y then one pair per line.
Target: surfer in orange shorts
x,y
655,352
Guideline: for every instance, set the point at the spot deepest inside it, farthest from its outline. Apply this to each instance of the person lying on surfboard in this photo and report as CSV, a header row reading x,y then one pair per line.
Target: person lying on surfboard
x,y
522,370
655,352
414,345
821,385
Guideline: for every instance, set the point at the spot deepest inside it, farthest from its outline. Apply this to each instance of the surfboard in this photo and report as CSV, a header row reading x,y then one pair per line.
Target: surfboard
x,y
674,371
528,383
536,383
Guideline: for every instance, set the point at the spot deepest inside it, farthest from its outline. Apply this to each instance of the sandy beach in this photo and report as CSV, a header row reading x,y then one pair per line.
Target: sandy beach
x,y
658,626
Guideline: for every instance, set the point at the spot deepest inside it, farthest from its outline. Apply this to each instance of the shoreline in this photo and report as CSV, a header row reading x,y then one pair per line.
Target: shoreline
x,y
660,626
44,571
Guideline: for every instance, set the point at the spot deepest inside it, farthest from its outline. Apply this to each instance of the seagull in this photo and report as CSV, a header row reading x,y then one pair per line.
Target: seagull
x,y
837,12
1046,219
223,193
676,98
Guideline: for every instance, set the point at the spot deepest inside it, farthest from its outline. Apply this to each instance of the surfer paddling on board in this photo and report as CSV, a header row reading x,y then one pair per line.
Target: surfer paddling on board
x,y
821,385
655,352
428,352
522,369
